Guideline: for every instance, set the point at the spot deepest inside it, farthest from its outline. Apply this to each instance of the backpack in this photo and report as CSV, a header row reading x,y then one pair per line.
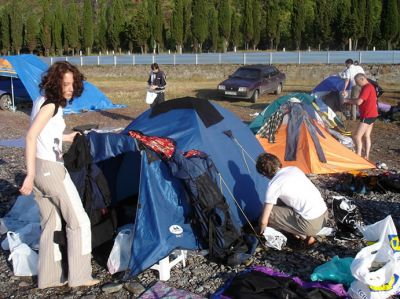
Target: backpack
x,y
347,218
379,90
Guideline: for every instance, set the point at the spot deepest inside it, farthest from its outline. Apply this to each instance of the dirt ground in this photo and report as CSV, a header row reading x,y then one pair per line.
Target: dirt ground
x,y
130,91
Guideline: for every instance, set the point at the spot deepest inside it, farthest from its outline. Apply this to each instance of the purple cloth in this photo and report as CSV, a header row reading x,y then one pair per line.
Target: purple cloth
x,y
161,290
338,289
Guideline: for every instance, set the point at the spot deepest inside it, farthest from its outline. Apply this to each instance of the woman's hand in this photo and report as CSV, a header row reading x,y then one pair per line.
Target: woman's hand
x,y
27,186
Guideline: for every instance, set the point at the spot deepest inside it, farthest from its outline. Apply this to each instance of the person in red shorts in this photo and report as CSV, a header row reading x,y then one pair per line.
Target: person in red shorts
x,y
367,102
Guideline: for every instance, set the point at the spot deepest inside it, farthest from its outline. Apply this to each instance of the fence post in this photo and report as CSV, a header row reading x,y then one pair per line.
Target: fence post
x,y
359,57
115,60
299,58
174,59
393,56
133,59
270,58
152,59
244,58
219,58
327,57
51,60
98,60
196,59
81,60
66,58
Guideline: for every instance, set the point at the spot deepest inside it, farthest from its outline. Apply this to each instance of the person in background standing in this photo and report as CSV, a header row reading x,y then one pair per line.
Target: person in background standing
x,y
55,193
367,102
157,83
348,74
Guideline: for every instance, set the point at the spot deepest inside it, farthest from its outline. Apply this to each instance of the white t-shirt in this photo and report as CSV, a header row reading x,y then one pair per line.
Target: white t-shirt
x,y
292,186
49,141
351,71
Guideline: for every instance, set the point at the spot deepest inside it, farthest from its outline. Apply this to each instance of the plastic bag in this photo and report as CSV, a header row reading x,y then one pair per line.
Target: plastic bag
x,y
121,252
29,234
377,267
274,238
336,270
24,260
150,97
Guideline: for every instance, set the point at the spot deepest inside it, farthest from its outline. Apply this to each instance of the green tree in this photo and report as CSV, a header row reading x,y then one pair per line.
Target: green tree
x,y
158,25
187,21
87,31
16,18
5,32
115,22
390,21
102,27
31,32
45,24
248,25
199,26
256,22
57,27
298,21
225,22
342,22
323,22
235,34
272,21
213,23
177,25
372,20
140,26
72,28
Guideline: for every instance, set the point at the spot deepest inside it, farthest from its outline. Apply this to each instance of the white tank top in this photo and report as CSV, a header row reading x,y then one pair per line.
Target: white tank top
x,y
49,141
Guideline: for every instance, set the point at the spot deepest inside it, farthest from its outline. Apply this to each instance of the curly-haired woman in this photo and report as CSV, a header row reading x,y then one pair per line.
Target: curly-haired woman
x,y
55,193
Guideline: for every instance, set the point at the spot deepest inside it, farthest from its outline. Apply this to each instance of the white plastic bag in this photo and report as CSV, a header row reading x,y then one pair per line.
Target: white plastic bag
x,y
29,234
150,97
24,260
274,238
121,252
377,267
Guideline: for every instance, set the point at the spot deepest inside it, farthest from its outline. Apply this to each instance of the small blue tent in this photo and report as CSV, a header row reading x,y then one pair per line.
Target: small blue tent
x,y
329,84
162,223
25,73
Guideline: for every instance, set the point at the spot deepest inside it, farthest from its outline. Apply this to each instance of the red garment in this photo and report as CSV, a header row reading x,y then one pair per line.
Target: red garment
x,y
369,106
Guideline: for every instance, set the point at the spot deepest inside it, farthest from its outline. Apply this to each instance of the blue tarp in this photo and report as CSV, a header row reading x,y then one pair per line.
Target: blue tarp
x,y
29,69
161,222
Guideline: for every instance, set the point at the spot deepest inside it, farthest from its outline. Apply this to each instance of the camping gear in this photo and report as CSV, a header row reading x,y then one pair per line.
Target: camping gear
x,y
162,217
25,71
274,238
312,148
262,282
336,270
377,267
347,218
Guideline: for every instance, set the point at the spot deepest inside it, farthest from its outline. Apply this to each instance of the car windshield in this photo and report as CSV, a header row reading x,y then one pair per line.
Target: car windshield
x,y
247,74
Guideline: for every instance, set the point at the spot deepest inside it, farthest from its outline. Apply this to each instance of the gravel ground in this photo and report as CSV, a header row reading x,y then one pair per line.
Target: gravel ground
x,y
199,276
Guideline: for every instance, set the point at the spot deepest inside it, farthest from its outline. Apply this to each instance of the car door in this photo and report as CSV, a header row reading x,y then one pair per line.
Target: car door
x,y
266,84
274,78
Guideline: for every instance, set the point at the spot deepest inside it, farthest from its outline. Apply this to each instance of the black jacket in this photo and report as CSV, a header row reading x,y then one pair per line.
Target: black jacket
x,y
159,80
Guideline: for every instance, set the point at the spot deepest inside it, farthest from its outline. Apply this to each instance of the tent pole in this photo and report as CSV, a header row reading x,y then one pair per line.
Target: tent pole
x,y
12,95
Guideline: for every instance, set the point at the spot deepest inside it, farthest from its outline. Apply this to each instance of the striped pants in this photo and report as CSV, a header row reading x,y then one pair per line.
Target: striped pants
x,y
58,199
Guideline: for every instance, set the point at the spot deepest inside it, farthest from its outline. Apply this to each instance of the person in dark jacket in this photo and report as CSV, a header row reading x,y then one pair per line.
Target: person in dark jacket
x,y
157,83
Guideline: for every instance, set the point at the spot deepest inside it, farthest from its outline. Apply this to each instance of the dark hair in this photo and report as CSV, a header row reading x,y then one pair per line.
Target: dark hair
x,y
51,86
349,61
268,164
154,66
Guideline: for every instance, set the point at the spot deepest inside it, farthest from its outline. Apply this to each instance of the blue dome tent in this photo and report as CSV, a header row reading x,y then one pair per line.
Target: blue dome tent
x,y
25,73
162,205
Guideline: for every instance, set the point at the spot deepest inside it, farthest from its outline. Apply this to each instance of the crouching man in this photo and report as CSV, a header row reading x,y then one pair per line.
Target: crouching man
x,y
292,203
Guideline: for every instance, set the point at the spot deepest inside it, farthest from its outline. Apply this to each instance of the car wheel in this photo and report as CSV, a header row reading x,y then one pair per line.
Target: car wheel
x,y
5,102
254,97
279,89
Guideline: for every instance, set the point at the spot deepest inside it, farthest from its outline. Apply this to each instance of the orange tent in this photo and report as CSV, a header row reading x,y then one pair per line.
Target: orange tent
x,y
338,157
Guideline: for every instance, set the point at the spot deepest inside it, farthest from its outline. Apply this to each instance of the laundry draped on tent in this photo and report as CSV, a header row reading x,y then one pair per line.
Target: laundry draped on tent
x,y
162,223
292,128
